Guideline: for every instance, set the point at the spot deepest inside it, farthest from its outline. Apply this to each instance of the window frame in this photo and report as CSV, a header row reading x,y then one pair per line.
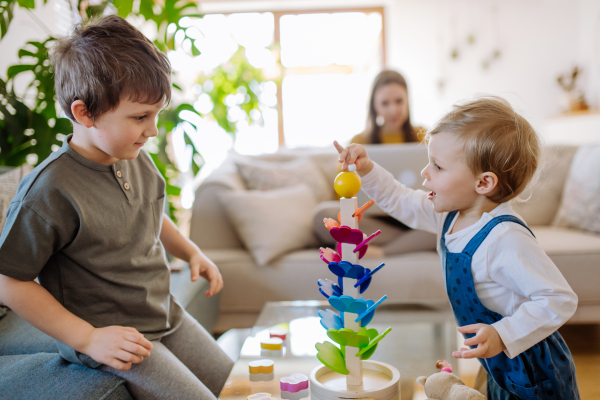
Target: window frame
x,y
277,14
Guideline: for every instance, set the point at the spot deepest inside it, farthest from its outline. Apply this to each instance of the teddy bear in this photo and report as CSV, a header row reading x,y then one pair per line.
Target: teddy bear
x,y
444,385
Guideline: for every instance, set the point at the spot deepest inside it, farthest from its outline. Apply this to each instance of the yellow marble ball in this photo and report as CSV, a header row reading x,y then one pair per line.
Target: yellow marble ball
x,y
347,184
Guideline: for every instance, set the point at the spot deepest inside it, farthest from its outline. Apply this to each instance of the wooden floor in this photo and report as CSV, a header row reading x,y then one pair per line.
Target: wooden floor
x,y
584,343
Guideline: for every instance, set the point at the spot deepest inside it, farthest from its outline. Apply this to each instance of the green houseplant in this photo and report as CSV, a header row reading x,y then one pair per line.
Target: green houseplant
x,y
31,129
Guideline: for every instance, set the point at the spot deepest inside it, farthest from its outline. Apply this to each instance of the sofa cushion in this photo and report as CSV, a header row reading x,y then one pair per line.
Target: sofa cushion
x,y
273,222
268,175
413,277
580,206
17,336
577,256
543,195
48,376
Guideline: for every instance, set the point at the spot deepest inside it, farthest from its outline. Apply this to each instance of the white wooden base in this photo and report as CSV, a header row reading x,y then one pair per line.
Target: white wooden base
x,y
380,382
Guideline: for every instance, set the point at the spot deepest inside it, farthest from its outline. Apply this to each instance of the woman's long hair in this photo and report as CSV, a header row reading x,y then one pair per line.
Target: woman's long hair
x,y
387,77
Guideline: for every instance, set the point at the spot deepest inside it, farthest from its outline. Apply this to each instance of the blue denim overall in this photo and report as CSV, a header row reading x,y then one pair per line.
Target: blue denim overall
x,y
545,371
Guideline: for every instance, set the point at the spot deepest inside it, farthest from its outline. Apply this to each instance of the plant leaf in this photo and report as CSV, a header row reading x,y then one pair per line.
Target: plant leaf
x,y
14,70
26,3
124,7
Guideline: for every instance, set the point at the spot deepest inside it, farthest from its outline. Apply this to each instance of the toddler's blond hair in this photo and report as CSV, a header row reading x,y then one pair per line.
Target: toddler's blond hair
x,y
496,139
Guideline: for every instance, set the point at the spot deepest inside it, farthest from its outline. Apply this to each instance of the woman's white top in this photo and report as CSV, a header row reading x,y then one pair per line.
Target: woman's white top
x,y
513,276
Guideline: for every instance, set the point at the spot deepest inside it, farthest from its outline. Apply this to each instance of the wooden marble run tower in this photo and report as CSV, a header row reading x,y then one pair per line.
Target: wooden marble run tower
x,y
347,371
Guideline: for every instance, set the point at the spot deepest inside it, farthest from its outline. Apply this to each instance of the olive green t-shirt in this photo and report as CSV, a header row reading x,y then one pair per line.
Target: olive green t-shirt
x,y
90,232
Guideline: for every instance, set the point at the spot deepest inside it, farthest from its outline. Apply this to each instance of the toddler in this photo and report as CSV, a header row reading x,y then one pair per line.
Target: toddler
x,y
508,297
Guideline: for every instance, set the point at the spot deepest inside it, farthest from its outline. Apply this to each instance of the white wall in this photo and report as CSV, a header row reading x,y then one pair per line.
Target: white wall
x,y
588,49
539,40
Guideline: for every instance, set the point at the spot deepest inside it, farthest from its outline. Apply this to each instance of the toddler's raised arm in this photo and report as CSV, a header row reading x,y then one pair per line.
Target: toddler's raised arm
x,y
409,206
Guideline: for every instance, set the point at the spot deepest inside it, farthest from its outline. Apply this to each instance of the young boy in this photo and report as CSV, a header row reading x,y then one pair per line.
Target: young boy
x,y
88,222
508,297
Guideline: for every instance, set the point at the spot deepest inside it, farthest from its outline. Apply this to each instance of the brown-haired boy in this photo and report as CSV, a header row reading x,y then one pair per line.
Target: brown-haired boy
x,y
508,297
88,222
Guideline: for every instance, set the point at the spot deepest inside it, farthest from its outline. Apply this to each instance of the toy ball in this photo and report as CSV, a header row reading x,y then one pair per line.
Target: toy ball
x,y
347,184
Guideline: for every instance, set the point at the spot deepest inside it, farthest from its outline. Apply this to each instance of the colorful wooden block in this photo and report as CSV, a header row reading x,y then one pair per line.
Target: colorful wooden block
x,y
295,396
280,333
271,344
294,383
261,366
261,377
260,396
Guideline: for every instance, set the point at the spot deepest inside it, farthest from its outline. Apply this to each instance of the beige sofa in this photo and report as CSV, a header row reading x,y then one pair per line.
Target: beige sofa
x,y
409,277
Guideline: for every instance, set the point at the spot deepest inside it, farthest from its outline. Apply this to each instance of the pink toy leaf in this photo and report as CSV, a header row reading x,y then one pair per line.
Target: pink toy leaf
x,y
345,234
361,252
329,255
367,240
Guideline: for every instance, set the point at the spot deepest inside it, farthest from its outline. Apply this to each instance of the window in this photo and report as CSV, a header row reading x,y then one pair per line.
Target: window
x,y
328,60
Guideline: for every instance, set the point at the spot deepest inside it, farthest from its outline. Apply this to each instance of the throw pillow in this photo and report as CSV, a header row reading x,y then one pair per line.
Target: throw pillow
x,y
273,222
268,175
543,195
9,183
580,206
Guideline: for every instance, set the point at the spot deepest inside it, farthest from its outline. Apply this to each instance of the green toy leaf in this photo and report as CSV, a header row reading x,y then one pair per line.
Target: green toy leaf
x,y
372,344
331,357
347,337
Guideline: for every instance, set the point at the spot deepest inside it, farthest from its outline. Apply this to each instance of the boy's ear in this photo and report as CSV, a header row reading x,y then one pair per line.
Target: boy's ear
x,y
81,113
486,183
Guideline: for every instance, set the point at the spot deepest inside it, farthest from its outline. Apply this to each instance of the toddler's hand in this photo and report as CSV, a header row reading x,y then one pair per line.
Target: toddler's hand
x,y
354,154
487,339
117,346
200,265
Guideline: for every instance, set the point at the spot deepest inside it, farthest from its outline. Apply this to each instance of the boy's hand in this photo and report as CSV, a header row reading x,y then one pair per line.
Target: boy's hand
x,y
200,265
117,347
354,154
487,339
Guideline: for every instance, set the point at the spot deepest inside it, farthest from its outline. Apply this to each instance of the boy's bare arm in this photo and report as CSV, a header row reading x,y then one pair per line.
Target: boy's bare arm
x,y
115,346
181,247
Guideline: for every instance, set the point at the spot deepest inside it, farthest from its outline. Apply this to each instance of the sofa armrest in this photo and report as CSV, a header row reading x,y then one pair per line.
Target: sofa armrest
x,y
210,227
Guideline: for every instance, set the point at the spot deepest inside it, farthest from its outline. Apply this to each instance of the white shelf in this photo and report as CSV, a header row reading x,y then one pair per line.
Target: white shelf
x,y
574,129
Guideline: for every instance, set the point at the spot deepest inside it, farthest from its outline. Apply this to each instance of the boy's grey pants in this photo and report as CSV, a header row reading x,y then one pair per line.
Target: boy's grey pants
x,y
187,364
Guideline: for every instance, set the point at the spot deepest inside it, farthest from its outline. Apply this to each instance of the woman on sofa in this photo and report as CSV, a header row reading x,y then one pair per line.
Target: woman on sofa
x,y
388,120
